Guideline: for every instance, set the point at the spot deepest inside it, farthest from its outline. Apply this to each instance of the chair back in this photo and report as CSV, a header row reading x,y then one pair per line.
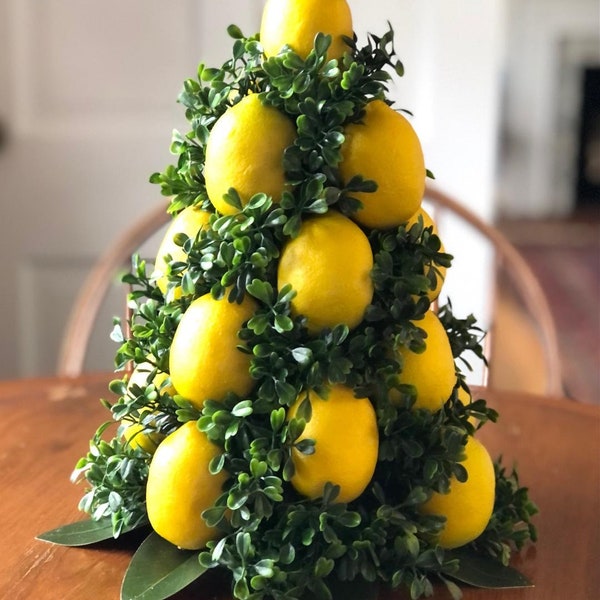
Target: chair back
x,y
521,323
95,288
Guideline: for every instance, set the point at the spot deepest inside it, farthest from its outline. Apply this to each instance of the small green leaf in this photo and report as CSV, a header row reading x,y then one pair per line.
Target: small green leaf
x,y
306,446
283,323
214,515
302,355
264,567
277,419
83,533
322,43
261,290
485,572
243,543
323,567
233,198
242,409
240,589
235,32
158,570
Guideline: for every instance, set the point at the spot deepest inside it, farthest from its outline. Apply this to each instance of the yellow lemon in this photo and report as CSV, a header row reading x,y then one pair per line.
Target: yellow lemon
x,y
329,265
245,151
467,506
138,435
136,432
440,271
204,361
180,487
189,221
295,23
427,220
346,437
140,377
432,371
385,148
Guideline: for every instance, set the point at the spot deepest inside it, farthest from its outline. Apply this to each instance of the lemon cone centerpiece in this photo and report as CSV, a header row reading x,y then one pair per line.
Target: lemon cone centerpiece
x,y
306,421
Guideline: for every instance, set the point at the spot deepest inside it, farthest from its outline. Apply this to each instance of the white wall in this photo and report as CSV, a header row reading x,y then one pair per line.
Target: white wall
x,y
540,117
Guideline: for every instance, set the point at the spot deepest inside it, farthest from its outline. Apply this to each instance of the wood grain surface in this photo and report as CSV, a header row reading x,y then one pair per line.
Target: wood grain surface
x,y
47,424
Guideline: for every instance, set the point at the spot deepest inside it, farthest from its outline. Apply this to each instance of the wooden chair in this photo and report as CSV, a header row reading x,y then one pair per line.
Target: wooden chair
x,y
97,284
522,347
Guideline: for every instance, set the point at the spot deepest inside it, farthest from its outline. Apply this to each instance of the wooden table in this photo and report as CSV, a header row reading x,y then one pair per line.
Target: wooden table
x,y
47,423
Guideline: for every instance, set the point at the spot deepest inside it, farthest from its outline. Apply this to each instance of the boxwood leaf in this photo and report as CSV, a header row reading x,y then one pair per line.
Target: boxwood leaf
x,y
83,533
485,572
158,570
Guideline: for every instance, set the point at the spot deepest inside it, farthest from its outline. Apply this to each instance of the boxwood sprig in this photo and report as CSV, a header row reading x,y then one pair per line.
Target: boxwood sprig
x,y
152,322
464,335
407,262
236,249
116,474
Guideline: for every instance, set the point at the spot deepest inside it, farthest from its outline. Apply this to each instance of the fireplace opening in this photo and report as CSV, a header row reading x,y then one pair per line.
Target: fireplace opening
x,y
588,155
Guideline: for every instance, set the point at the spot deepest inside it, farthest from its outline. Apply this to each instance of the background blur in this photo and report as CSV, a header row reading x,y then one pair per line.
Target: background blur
x,y
505,100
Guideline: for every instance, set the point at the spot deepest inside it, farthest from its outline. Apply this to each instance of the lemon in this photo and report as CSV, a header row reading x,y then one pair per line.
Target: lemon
x,y
180,487
432,371
245,151
141,374
385,148
139,436
295,23
190,221
427,220
468,506
440,271
346,437
205,362
138,433
329,265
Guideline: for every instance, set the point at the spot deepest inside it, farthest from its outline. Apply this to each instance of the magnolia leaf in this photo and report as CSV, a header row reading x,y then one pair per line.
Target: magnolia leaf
x,y
486,572
83,533
158,570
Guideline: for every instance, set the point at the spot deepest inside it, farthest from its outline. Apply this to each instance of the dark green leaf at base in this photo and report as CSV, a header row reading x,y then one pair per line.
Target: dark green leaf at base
x,y
485,572
83,533
158,570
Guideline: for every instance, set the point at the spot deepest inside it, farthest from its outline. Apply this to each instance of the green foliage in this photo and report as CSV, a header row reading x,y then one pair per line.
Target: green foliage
x,y
86,532
117,475
407,262
158,570
510,527
236,250
482,571
464,334
153,322
276,544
